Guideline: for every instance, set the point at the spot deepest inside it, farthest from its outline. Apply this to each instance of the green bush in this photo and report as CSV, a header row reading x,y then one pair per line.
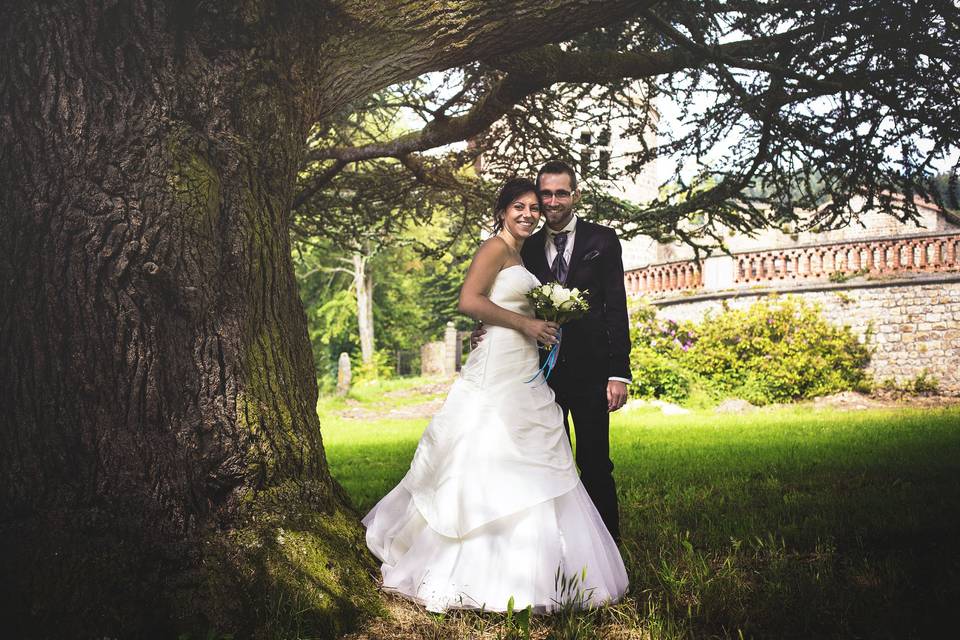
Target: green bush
x,y
925,384
780,349
921,384
380,368
655,356
658,376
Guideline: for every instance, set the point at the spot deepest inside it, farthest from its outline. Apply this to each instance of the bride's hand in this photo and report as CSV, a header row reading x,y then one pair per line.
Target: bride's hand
x,y
542,331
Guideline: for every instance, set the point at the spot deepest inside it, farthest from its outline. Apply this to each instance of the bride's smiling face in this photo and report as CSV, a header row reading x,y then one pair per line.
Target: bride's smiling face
x,y
522,215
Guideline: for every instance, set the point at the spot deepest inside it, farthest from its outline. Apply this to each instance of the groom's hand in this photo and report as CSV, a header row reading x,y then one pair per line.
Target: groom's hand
x,y
477,336
616,394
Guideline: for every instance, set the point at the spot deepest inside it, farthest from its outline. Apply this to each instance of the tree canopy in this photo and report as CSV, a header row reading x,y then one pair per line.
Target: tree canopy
x,y
780,108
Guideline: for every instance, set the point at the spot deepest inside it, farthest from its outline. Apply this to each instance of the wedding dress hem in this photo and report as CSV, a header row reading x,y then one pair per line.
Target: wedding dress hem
x,y
520,556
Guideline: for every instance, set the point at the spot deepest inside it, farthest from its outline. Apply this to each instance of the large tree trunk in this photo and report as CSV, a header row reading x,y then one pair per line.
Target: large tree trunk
x,y
162,461
161,466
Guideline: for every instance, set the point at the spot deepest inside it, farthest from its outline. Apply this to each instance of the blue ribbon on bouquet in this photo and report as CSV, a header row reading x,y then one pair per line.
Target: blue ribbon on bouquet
x,y
549,363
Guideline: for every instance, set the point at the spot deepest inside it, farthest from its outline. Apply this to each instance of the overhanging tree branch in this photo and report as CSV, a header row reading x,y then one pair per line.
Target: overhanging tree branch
x,y
394,41
766,92
600,66
317,182
442,130
534,70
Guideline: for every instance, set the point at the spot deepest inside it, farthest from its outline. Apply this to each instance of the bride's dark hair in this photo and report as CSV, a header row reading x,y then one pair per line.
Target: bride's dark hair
x,y
510,191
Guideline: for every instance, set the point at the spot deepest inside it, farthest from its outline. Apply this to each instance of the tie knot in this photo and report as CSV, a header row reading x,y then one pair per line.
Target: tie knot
x,y
560,240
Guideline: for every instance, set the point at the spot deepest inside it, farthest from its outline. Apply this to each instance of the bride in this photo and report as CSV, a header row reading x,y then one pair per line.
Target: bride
x,y
492,507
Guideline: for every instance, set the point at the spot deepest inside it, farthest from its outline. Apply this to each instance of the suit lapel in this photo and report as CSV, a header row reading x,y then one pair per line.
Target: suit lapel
x,y
580,245
536,256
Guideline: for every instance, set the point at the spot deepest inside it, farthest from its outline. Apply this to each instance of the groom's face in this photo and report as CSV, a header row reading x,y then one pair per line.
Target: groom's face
x,y
558,199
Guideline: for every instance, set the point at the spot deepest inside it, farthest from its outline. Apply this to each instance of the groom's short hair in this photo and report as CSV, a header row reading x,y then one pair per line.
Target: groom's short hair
x,y
558,166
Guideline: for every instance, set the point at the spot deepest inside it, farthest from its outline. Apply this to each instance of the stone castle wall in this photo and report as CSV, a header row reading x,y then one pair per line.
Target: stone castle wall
x,y
915,321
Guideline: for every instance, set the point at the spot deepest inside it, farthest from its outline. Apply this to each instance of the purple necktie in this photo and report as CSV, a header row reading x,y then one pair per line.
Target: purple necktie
x,y
559,266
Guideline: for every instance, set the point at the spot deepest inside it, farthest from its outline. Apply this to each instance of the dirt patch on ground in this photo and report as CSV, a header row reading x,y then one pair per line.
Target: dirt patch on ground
x,y
429,389
734,405
394,406
383,411
849,401
846,401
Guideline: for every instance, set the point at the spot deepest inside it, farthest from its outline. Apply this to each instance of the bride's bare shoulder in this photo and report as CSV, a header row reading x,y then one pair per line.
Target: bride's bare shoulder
x,y
493,249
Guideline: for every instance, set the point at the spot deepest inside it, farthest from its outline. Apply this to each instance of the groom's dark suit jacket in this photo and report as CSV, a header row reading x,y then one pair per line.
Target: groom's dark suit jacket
x,y
598,345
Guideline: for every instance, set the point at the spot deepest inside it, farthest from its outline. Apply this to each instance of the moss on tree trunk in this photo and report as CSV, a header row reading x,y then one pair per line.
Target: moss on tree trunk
x,y
166,471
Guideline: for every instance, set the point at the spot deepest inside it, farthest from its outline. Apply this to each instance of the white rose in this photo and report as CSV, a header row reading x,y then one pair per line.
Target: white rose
x,y
559,296
574,292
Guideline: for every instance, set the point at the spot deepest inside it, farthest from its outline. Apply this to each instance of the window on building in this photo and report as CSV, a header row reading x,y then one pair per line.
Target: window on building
x,y
595,150
603,144
603,170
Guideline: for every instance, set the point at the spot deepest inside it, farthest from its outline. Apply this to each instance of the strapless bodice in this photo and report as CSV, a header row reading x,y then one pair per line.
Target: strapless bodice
x,y
505,354
510,289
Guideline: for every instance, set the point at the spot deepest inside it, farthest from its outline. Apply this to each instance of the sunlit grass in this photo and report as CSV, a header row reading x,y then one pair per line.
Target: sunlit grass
x,y
787,523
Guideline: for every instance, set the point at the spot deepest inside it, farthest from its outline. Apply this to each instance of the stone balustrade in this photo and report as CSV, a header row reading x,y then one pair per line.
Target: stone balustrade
x,y
798,265
921,254
671,276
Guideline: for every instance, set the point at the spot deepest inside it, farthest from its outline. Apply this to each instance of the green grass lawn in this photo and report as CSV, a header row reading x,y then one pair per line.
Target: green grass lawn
x,y
788,523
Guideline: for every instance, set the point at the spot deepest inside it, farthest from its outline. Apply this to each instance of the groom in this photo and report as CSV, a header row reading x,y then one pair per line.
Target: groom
x,y
591,376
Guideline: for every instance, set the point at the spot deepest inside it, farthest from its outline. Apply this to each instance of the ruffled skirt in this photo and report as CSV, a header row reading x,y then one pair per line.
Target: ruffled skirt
x,y
492,507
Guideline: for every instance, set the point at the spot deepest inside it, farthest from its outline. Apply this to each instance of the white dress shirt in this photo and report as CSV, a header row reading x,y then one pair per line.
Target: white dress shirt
x,y
571,229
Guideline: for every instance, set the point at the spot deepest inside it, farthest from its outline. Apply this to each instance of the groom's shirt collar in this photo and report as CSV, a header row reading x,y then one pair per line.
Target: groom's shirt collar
x,y
570,227
550,248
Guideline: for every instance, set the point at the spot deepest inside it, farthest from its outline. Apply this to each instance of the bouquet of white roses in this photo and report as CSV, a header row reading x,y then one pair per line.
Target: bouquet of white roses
x,y
556,303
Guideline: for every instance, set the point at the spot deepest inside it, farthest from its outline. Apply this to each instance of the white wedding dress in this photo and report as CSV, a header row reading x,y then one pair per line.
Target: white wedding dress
x,y
492,505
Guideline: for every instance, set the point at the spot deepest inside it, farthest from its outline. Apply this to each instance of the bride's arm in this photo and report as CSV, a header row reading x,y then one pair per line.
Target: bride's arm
x,y
475,296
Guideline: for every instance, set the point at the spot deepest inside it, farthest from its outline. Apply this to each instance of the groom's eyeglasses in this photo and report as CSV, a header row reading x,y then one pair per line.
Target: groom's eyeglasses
x,y
560,194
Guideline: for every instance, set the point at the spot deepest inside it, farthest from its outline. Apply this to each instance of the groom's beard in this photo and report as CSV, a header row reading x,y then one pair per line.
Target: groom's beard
x,y
561,215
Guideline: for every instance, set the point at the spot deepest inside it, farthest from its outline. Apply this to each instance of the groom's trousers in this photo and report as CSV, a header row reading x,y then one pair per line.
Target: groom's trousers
x,y
591,424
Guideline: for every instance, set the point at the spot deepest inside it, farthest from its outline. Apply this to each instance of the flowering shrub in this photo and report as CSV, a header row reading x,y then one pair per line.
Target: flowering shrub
x,y
780,349
655,356
663,336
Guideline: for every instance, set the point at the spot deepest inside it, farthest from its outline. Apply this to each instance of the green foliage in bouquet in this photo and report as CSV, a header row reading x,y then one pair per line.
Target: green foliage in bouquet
x,y
556,303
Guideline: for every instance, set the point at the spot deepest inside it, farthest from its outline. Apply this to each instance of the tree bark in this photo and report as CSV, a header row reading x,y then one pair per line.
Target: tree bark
x,y
162,468
163,465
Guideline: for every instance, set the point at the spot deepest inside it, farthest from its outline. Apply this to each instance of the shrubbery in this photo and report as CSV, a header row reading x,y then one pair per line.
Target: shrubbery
x,y
656,356
780,349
